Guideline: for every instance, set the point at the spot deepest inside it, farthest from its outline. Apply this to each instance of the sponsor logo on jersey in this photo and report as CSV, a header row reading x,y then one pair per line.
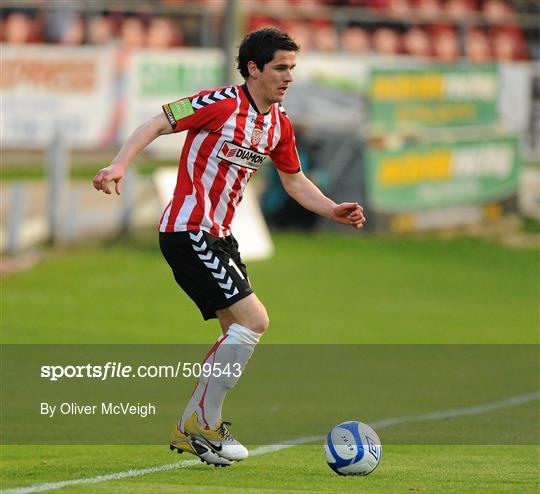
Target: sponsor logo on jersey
x,y
240,156
256,136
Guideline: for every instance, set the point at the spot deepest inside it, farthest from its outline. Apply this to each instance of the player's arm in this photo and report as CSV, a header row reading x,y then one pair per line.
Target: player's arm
x,y
141,137
306,193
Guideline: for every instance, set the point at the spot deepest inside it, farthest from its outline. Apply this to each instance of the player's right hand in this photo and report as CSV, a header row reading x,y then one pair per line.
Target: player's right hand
x,y
111,173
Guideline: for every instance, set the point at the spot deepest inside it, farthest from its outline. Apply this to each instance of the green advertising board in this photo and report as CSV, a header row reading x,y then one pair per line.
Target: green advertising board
x,y
433,97
157,77
174,73
422,176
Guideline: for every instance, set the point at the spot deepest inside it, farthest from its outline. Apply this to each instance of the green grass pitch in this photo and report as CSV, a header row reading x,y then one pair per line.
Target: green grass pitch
x,y
323,288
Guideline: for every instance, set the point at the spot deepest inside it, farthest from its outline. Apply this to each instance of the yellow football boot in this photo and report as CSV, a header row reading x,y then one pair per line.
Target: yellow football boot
x,y
219,440
181,442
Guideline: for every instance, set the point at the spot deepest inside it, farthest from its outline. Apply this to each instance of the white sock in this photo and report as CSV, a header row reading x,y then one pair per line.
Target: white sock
x,y
231,352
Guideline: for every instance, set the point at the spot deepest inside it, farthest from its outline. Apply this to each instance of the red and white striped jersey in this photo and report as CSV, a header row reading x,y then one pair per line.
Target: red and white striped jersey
x,y
227,141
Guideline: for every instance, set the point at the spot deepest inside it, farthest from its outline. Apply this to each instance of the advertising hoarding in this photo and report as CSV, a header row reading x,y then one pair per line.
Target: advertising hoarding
x,y
439,174
68,90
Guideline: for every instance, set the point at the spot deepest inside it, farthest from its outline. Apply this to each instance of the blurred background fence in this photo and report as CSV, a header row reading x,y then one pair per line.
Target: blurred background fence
x,y
423,110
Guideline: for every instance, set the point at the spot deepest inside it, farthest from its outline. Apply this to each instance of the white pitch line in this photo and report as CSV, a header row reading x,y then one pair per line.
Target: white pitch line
x,y
50,486
509,402
512,401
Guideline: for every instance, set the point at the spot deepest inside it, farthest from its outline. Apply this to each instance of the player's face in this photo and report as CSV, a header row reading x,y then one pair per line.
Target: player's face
x,y
276,76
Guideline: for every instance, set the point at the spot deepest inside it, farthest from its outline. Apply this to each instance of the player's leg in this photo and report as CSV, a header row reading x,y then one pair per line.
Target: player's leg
x,y
247,320
225,320
249,312
198,271
231,352
211,272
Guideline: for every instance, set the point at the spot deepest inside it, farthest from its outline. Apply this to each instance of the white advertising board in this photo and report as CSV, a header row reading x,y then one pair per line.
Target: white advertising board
x,y
48,89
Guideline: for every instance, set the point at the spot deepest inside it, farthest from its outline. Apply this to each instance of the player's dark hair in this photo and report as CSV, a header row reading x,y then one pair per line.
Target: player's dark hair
x,y
260,47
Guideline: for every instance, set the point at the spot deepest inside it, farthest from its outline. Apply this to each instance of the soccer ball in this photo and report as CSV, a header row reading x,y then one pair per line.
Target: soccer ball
x,y
352,448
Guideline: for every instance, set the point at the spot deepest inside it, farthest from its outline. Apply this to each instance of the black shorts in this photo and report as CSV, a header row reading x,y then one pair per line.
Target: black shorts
x,y
209,269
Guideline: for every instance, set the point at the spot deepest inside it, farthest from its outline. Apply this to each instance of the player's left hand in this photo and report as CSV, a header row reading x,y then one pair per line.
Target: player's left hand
x,y
349,213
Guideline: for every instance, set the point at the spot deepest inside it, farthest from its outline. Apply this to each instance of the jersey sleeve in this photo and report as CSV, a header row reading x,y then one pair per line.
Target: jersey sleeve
x,y
185,114
284,155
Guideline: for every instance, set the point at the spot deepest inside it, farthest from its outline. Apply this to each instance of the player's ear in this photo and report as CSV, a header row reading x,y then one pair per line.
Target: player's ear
x,y
253,69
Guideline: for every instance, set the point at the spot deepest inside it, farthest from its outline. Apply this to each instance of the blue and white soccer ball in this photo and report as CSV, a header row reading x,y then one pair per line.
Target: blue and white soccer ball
x,y
353,448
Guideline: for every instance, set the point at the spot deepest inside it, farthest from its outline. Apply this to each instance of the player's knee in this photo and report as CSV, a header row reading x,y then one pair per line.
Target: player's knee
x,y
262,323
251,313
259,321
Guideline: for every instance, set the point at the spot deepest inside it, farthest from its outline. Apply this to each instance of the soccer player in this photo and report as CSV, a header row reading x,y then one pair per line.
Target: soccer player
x,y
230,130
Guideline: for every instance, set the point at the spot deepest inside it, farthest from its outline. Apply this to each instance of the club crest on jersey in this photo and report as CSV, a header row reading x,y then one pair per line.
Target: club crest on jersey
x,y
256,136
240,156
